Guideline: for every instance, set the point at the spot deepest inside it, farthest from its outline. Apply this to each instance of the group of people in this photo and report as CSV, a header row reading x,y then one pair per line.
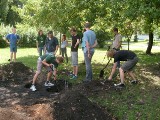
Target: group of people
x,y
49,44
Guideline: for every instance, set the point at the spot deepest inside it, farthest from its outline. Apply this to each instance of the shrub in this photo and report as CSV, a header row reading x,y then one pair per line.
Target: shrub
x,y
102,37
3,43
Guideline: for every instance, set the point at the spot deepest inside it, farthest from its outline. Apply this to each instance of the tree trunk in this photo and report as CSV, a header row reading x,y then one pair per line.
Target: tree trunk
x,y
60,44
150,43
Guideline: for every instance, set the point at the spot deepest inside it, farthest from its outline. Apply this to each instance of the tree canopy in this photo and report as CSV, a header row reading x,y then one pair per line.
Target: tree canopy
x,y
128,15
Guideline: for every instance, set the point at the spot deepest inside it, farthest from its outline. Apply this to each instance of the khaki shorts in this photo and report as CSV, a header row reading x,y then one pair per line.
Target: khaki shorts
x,y
40,65
130,64
74,56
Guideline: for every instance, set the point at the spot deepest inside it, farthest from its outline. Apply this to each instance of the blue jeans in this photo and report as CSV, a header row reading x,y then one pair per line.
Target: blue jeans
x,y
40,50
89,73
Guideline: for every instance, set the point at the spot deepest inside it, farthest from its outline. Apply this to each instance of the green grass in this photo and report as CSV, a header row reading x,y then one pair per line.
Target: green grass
x,y
141,102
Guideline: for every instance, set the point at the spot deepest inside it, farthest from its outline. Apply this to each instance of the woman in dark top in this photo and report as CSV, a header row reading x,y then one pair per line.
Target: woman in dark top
x,y
40,42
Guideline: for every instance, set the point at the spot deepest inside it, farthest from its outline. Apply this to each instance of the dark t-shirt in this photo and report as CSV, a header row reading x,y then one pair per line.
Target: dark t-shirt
x,y
124,55
50,59
74,40
51,44
41,40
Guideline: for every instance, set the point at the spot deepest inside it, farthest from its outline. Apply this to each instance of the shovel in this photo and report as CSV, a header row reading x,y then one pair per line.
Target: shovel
x,y
102,71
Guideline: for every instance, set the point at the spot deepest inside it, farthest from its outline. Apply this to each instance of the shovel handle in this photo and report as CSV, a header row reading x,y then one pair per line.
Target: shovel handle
x,y
107,63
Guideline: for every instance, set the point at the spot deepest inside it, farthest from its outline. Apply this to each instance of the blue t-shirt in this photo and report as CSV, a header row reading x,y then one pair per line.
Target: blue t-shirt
x,y
89,36
83,43
13,38
51,44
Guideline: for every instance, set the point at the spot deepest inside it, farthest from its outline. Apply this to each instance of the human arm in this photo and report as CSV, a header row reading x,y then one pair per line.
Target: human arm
x,y
95,44
76,43
44,62
57,46
37,45
7,39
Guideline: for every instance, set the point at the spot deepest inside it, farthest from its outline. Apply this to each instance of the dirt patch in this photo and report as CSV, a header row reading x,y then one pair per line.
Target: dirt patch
x,y
75,106
34,112
59,103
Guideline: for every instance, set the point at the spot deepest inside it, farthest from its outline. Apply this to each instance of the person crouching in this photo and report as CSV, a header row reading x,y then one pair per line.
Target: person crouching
x,y
50,62
131,61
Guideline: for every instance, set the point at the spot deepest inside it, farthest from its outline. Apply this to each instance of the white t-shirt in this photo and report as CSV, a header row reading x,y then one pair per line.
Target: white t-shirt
x,y
117,40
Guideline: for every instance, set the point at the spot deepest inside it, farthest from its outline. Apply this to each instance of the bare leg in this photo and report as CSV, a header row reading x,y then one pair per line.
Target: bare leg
x,y
11,56
76,70
49,75
35,77
14,56
121,75
132,75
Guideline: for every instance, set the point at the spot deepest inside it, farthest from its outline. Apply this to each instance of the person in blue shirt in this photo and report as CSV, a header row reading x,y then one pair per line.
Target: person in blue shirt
x,y
12,40
52,44
89,38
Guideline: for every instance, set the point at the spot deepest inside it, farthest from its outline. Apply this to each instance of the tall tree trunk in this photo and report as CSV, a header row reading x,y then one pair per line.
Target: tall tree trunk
x,y
60,43
150,43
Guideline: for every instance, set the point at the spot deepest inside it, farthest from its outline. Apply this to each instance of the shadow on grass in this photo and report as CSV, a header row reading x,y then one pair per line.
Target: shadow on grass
x,y
30,61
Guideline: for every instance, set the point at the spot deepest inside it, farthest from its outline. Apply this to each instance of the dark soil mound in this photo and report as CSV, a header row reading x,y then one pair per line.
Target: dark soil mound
x,y
67,102
75,106
14,70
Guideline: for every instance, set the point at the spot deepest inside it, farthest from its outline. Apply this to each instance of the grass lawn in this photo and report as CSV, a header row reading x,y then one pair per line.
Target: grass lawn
x,y
141,102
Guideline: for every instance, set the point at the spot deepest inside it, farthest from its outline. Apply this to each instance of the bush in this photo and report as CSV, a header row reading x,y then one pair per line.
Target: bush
x,y
27,41
102,37
3,43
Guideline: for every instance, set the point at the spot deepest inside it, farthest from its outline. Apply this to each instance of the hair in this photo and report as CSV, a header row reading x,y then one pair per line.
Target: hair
x,y
87,25
39,32
50,32
115,29
64,37
60,59
73,29
110,53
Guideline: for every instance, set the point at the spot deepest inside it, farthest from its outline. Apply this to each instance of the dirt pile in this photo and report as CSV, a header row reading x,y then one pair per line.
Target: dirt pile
x,y
14,70
75,106
63,102
34,112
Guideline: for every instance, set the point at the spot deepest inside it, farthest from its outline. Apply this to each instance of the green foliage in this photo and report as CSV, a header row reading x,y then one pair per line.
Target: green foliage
x,y
102,37
3,42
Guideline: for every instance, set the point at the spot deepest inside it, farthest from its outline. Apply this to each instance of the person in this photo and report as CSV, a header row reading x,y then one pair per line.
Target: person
x,y
131,61
13,39
83,43
64,47
74,52
50,62
89,38
116,45
52,44
40,42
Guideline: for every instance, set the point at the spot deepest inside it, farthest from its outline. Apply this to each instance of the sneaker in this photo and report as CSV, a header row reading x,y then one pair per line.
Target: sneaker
x,y
33,88
48,84
119,85
73,77
134,81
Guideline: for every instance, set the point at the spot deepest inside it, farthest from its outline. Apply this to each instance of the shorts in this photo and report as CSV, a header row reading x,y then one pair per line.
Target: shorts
x,y
40,65
74,57
130,64
13,48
